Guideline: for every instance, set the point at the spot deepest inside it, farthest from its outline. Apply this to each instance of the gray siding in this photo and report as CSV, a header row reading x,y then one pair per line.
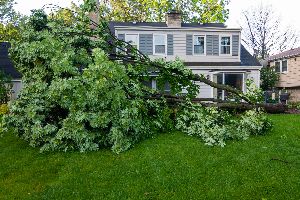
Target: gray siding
x,y
170,46
121,37
146,44
235,45
189,44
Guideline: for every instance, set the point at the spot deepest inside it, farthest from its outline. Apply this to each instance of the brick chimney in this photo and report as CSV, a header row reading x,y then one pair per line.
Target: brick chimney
x,y
173,19
94,16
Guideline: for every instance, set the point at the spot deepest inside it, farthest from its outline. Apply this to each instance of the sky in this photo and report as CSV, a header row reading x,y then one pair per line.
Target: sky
x,y
24,6
288,10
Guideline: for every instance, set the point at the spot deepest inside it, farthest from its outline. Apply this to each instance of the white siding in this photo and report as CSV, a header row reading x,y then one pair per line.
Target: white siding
x,y
17,86
255,75
205,90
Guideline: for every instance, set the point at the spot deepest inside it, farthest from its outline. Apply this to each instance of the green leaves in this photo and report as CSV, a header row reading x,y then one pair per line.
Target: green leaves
x,y
215,126
269,78
197,11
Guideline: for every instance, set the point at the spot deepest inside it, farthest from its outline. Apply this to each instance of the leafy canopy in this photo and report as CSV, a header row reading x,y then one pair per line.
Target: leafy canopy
x,y
9,21
269,78
198,11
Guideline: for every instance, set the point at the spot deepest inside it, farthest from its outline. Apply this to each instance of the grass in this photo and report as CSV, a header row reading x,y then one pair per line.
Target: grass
x,y
170,166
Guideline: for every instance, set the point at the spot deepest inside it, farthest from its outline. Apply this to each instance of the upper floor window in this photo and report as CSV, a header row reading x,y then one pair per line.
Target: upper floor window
x,y
277,66
199,44
225,44
281,66
159,44
132,39
284,66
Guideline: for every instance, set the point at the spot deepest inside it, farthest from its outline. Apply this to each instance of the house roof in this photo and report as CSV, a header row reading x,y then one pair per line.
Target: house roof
x,y
247,59
285,54
6,64
164,24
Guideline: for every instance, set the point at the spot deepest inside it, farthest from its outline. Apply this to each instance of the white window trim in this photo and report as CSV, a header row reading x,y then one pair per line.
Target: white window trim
x,y
201,35
138,38
280,66
166,43
220,45
277,61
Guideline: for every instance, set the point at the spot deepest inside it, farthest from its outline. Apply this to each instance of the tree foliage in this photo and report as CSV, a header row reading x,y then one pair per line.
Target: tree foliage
x,y
9,21
81,94
67,15
5,87
269,78
198,11
7,13
263,32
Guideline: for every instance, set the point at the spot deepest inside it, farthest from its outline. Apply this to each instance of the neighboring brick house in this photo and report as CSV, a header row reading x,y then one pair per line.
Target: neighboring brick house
x,y
287,64
211,49
7,67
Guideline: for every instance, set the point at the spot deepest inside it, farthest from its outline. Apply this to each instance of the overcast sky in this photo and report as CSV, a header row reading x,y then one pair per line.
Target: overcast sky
x,y
287,9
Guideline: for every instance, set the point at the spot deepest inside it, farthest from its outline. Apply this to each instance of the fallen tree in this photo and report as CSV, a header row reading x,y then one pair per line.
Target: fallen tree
x,y
81,94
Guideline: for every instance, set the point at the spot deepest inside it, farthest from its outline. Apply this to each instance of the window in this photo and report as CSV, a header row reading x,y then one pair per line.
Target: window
x,y
133,39
281,66
159,44
277,66
235,80
199,45
225,45
153,84
284,66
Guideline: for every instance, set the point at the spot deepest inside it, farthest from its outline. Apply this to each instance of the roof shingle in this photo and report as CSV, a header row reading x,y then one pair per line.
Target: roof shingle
x,y
6,64
285,54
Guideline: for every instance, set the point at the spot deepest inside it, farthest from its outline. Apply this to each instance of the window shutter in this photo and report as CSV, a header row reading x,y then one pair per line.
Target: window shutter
x,y
209,45
146,44
189,44
235,45
216,44
170,47
121,37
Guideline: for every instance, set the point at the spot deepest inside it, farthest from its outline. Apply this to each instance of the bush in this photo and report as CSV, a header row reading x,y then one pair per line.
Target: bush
x,y
294,105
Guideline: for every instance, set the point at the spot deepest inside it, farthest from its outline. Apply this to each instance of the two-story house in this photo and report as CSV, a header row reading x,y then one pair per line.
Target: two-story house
x,y
287,64
211,49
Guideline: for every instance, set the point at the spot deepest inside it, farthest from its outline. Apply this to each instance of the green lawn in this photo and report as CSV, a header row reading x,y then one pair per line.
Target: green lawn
x,y
169,166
